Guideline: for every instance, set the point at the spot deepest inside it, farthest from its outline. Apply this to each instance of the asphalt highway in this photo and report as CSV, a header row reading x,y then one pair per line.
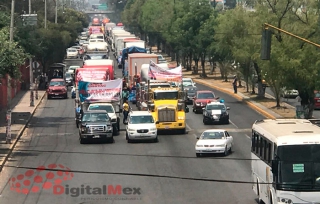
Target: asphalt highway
x,y
167,172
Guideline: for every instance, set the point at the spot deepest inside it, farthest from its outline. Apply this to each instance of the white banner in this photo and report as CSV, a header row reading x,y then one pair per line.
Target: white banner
x,y
158,73
100,91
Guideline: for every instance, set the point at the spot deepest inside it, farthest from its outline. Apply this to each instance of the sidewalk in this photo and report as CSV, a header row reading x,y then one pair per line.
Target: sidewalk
x,y
265,107
22,112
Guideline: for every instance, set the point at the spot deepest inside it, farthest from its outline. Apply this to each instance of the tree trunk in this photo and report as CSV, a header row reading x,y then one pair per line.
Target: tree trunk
x,y
203,60
307,102
195,70
261,90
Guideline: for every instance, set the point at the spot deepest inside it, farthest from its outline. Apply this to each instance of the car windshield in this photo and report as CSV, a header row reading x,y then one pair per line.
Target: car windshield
x,y
72,50
159,86
216,107
99,40
100,37
212,135
299,167
205,96
317,95
187,83
107,108
56,83
95,117
68,75
160,57
94,57
166,95
141,119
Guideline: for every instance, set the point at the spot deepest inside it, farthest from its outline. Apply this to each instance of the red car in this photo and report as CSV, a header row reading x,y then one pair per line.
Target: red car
x,y
57,88
201,99
317,100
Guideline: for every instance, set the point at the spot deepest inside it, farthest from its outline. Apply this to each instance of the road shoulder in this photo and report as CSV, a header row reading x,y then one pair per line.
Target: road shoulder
x,y
21,116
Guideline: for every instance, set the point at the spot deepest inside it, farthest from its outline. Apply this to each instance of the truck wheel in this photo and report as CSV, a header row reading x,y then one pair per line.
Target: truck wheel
x,y
183,131
115,131
82,141
156,140
204,122
118,124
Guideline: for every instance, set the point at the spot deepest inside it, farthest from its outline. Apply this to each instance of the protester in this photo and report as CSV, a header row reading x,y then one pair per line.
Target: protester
x,y
126,109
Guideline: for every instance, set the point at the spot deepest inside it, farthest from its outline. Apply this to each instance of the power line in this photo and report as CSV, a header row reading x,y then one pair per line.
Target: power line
x,y
157,176
133,155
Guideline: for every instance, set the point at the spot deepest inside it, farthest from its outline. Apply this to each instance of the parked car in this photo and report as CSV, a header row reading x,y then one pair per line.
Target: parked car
x,y
72,53
214,141
317,100
57,89
291,93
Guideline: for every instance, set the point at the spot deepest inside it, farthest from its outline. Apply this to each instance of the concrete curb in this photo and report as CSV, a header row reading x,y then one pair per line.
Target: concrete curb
x,y
239,98
20,133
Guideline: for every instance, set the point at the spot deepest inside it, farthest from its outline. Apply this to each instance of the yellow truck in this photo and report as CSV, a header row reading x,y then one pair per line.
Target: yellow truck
x,y
168,108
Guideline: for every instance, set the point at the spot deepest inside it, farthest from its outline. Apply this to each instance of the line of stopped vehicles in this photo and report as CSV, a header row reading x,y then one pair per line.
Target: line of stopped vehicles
x,y
101,120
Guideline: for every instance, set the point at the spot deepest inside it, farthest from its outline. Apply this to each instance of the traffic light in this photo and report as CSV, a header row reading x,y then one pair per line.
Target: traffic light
x,y
265,44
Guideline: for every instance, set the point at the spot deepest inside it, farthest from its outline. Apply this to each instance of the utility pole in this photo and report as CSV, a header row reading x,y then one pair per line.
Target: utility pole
x,y
56,12
31,70
8,114
45,14
12,21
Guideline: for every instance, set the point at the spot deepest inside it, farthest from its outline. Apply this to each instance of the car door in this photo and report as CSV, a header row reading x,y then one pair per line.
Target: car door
x,y
228,138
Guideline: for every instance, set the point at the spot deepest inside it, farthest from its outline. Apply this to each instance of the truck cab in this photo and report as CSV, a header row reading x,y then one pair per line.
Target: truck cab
x,y
109,108
95,125
167,105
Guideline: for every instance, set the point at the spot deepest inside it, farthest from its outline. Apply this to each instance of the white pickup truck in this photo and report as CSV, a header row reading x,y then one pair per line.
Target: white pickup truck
x,y
97,45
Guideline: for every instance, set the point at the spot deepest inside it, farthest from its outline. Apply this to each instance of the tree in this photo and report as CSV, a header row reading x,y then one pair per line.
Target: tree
x,y
12,55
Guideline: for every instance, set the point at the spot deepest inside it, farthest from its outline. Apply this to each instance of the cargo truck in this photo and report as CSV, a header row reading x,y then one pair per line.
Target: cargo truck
x,y
139,43
135,62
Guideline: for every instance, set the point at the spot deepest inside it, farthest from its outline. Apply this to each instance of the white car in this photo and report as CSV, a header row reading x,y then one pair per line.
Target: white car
x,y
141,126
289,93
115,120
72,53
188,82
214,141
72,69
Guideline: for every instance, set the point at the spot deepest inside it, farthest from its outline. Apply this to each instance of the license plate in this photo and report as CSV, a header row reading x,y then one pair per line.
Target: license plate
x,y
167,127
96,136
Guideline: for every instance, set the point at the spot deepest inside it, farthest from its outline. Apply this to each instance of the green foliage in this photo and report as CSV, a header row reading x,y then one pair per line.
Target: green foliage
x,y
12,55
234,35
46,45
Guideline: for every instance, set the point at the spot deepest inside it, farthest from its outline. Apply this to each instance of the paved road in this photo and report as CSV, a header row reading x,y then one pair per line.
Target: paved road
x,y
52,138
293,102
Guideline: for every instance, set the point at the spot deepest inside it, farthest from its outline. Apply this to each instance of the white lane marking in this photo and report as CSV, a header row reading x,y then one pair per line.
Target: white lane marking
x,y
233,124
189,128
247,136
